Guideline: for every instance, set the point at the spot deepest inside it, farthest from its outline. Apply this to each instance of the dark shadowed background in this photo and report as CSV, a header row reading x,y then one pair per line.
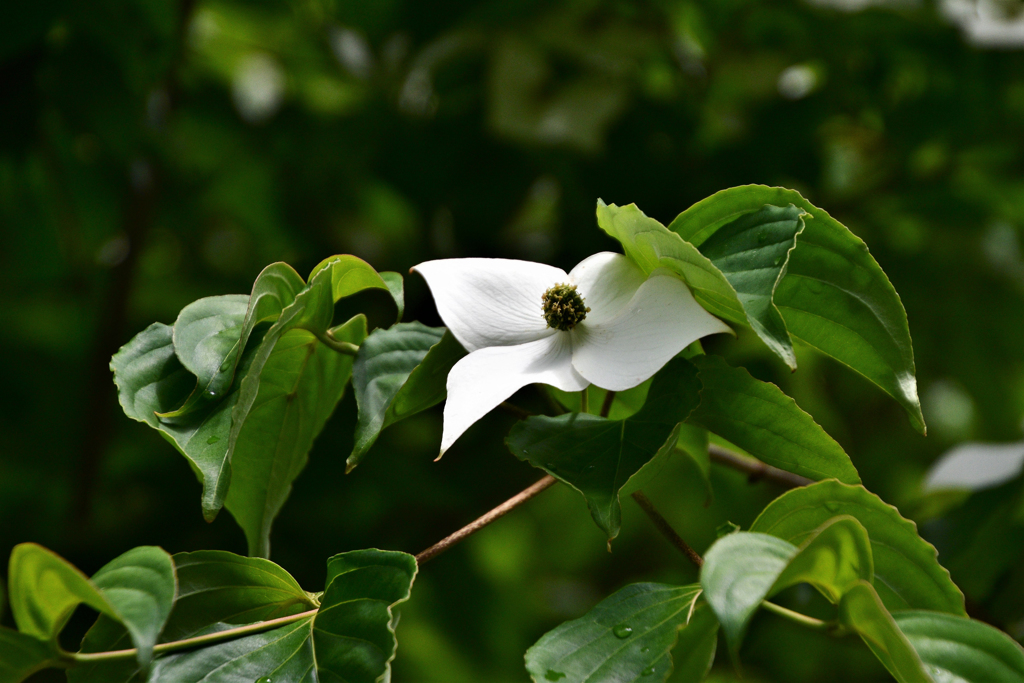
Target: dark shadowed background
x,y
156,151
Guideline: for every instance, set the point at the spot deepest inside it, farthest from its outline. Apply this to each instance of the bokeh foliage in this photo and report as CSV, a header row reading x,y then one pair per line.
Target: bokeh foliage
x,y
156,151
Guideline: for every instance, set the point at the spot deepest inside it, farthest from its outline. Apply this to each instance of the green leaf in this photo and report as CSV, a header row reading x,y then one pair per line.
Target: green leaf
x,y
140,585
761,419
397,373
741,295
351,638
862,611
956,649
136,589
695,649
627,636
396,287
281,654
752,251
284,401
836,558
274,290
598,456
205,334
834,296
353,632
907,572
651,246
151,380
743,569
22,655
350,274
218,587
216,590
738,573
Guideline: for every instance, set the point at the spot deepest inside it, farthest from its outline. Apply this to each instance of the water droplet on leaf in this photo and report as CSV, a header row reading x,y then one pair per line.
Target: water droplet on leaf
x,y
645,650
553,675
622,631
762,236
213,439
264,679
778,260
648,671
833,507
213,393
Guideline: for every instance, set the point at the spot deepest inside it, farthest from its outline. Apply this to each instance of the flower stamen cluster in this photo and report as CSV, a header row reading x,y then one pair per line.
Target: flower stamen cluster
x,y
563,307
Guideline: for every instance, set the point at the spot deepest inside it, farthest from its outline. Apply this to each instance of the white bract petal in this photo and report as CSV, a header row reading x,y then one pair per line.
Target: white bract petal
x,y
607,282
486,377
659,321
496,308
491,302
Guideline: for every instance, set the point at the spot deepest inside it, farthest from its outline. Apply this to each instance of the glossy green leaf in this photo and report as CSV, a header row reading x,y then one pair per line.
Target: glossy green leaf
x,y
738,573
834,296
150,380
759,418
275,289
397,373
44,589
350,639
752,251
207,332
396,287
957,649
743,569
628,636
598,456
205,336
861,611
284,401
907,572
136,589
216,590
140,585
651,245
350,274
353,633
22,655
833,560
736,281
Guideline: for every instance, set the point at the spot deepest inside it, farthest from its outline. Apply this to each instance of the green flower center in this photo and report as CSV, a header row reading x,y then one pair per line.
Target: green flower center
x,y
563,307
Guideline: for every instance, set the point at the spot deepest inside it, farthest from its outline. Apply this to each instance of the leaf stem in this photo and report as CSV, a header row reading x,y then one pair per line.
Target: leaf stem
x,y
584,401
187,643
342,347
666,529
479,523
802,619
755,469
606,407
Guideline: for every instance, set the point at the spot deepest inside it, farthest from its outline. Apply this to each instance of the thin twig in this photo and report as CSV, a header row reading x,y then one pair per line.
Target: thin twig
x,y
515,410
479,523
755,469
666,529
606,407
584,401
187,643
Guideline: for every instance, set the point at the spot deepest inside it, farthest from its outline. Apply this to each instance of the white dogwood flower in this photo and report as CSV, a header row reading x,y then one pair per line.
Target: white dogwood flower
x,y
604,323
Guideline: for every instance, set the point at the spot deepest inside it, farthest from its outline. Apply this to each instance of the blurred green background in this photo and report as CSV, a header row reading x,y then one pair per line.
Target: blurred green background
x,y
156,151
